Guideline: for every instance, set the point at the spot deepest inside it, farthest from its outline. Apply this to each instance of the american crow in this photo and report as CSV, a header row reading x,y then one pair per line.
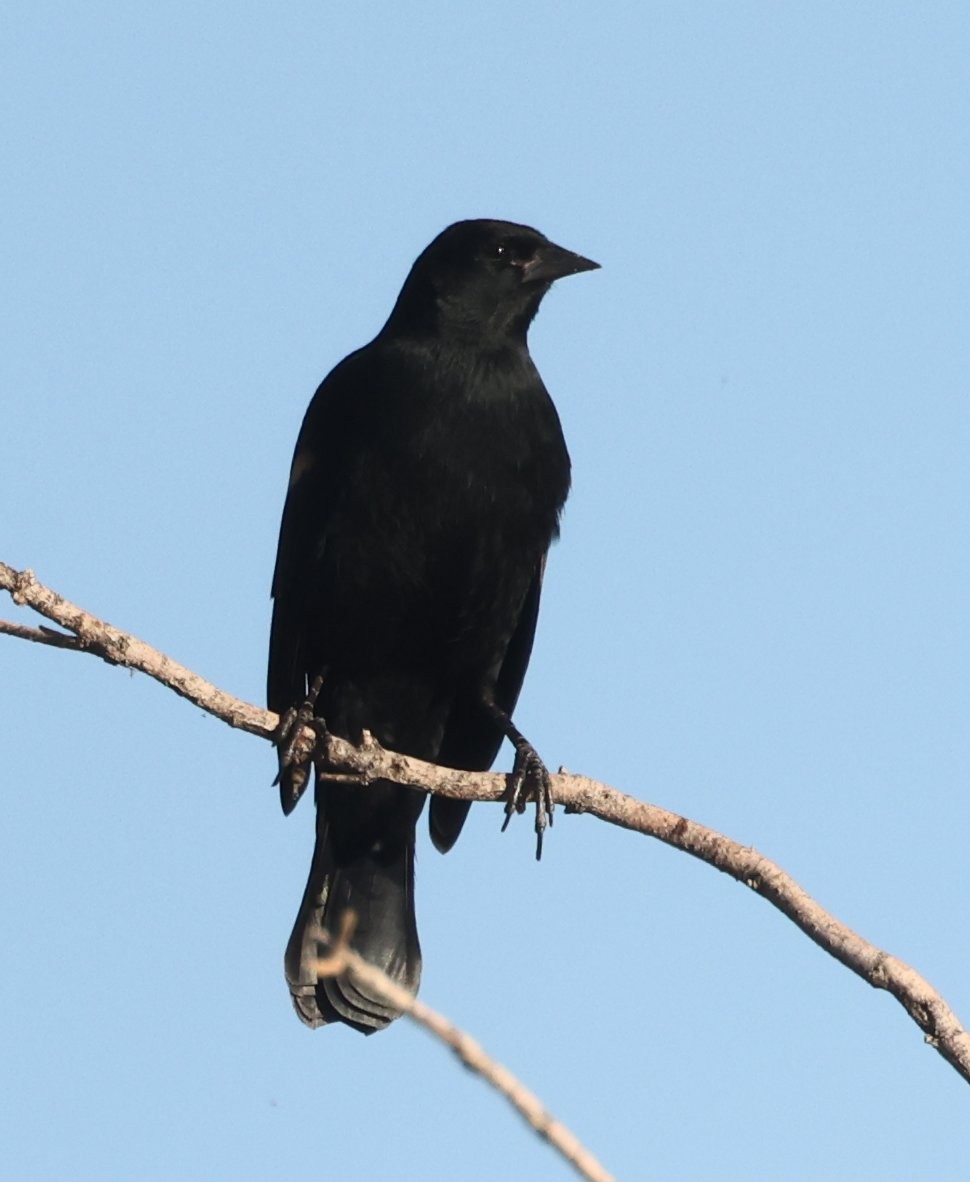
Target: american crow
x,y
426,488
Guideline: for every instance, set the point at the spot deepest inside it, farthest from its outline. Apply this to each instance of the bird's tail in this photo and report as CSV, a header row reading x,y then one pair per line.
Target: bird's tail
x,y
379,888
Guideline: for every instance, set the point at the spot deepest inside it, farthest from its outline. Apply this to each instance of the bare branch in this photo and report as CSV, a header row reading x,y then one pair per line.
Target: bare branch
x,y
579,794
119,648
41,635
343,960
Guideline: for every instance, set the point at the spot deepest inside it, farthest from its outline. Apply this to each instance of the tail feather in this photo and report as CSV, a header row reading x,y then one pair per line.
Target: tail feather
x,y
380,891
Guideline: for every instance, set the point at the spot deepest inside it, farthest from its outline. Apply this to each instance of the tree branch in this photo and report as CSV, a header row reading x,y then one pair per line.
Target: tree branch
x,y
342,959
92,635
579,794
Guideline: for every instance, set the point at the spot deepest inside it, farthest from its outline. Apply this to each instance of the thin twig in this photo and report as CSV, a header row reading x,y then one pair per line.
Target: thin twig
x,y
40,635
579,794
342,959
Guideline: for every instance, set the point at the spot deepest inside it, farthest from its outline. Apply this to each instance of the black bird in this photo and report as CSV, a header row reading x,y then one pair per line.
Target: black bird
x,y
426,488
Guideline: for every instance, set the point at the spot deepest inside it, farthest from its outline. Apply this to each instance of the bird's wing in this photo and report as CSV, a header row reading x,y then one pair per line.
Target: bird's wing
x,y
317,473
471,740
300,536
327,440
517,655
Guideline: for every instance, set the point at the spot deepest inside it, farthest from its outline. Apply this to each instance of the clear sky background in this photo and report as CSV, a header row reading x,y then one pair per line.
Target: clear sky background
x,y
757,615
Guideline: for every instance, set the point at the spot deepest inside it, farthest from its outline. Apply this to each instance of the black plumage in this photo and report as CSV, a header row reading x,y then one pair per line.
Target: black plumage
x,y
425,489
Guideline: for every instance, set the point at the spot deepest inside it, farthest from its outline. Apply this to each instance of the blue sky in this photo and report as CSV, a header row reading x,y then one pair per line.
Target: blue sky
x,y
757,615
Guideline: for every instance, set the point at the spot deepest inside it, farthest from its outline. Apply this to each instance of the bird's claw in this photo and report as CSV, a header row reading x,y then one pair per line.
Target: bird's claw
x,y
291,725
530,778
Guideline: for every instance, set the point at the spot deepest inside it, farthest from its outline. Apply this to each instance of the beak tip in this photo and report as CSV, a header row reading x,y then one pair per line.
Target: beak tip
x,y
557,263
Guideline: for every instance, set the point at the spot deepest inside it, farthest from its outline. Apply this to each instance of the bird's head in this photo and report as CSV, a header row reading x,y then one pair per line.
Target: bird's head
x,y
483,278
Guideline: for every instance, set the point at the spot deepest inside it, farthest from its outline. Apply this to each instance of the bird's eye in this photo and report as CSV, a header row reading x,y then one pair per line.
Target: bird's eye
x,y
515,254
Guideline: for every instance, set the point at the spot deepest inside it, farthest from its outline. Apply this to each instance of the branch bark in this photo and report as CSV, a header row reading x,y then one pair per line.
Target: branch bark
x,y
342,959
578,794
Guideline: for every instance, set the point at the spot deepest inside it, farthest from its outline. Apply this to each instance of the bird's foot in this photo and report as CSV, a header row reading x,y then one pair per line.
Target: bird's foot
x,y
530,778
291,725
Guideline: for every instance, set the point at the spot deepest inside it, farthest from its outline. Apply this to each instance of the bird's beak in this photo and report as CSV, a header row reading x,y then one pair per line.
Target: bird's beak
x,y
554,262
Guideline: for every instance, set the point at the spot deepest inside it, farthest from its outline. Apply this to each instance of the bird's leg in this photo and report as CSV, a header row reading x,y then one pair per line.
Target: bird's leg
x,y
530,777
293,722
